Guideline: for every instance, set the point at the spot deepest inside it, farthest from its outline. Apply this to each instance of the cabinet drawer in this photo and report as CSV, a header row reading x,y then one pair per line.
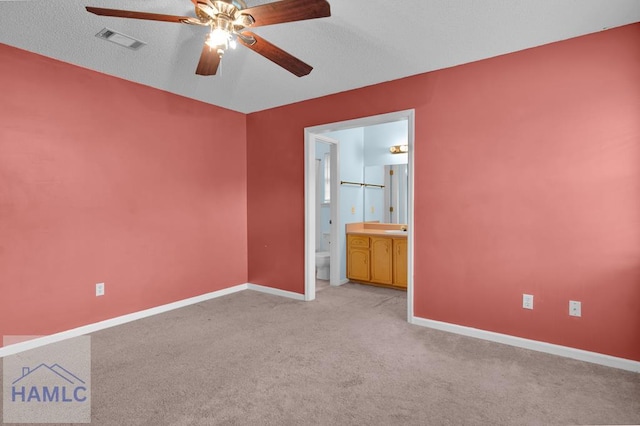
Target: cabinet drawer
x,y
358,241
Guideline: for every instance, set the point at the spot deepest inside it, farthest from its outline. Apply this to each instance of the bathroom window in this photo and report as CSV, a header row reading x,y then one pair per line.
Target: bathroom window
x,y
327,177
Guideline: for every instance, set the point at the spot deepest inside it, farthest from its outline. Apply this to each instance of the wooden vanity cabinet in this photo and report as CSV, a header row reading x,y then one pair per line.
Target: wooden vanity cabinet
x,y
377,260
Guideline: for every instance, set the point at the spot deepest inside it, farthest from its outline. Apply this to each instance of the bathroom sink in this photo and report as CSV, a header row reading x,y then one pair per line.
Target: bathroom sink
x,y
395,231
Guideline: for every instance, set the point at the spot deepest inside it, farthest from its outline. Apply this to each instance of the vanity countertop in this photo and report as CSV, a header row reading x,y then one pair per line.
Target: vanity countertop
x,y
377,229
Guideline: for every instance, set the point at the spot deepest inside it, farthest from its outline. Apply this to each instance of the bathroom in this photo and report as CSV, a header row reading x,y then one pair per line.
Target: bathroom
x,y
364,158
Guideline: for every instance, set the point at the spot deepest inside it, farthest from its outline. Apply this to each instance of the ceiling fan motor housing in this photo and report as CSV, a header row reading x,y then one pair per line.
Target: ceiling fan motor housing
x,y
239,4
223,14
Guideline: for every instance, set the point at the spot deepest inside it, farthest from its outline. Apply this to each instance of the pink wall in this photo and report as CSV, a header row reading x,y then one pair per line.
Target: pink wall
x,y
527,180
103,180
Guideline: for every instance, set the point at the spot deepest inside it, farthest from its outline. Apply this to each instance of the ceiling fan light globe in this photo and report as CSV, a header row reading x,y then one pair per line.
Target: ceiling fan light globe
x,y
218,38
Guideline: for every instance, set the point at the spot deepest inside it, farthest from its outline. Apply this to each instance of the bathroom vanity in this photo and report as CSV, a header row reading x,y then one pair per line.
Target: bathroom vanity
x,y
377,254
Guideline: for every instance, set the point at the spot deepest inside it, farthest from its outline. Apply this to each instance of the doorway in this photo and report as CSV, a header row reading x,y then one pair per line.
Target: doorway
x,y
327,202
317,134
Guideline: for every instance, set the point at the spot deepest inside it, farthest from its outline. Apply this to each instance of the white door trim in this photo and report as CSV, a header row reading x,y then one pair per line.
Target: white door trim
x,y
310,213
310,135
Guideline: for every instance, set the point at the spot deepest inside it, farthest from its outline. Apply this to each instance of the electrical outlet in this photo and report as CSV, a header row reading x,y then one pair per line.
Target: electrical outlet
x,y
527,301
575,308
100,289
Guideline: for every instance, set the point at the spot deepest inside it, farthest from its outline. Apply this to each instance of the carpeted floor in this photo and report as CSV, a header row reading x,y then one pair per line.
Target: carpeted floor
x,y
348,357
322,285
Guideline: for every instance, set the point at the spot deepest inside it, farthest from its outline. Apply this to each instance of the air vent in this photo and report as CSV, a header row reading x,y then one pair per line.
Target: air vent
x,y
121,39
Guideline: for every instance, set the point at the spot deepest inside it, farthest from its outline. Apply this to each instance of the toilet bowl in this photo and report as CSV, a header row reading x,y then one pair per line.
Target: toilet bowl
x,y
322,265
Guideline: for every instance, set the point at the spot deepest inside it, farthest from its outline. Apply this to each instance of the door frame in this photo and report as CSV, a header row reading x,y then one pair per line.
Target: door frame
x,y
310,212
311,134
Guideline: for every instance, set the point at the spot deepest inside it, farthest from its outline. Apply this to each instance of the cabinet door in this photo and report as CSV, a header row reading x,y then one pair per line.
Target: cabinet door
x,y
381,260
358,264
358,257
400,265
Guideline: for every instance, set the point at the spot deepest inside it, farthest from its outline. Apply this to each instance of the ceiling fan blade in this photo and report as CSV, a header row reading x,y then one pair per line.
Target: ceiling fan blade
x,y
209,61
287,11
136,15
275,54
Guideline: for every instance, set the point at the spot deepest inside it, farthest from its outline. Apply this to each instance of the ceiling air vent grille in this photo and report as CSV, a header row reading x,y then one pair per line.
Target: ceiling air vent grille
x,y
120,39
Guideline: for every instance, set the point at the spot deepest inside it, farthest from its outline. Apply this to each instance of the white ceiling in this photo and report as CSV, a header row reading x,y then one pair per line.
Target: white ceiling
x,y
364,42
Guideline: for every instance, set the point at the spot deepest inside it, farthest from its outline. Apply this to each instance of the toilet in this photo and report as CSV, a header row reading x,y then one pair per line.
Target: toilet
x,y
322,257
322,265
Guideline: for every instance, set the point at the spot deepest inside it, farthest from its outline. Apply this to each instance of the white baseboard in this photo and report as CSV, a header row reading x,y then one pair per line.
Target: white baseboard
x,y
578,354
112,322
550,348
275,291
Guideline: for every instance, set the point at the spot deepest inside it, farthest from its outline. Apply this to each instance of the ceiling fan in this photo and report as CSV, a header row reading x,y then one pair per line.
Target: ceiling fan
x,y
228,21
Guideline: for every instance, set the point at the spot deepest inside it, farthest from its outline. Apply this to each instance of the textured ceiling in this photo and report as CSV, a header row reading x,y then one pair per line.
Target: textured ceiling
x,y
364,42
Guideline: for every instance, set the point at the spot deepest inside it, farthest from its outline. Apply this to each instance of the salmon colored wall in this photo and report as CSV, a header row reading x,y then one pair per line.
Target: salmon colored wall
x,y
103,180
527,180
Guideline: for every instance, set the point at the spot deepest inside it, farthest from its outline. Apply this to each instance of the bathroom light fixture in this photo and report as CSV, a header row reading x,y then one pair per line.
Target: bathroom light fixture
x,y
399,149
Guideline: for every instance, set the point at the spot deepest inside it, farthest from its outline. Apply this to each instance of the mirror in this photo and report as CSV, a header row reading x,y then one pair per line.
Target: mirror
x,y
389,204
